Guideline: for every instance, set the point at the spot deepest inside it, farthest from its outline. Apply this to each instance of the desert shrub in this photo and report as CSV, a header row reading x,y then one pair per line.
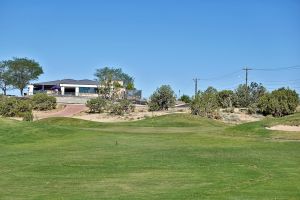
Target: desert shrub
x,y
127,105
279,102
241,96
2,97
8,107
23,106
42,101
97,105
229,110
206,103
252,109
153,106
122,107
13,107
185,98
256,92
226,98
27,116
162,99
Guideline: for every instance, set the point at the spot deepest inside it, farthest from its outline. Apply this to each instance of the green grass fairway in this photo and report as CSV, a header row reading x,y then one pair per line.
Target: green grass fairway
x,y
169,157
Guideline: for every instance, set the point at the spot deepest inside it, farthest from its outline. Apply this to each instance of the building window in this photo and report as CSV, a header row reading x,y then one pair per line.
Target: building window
x,y
88,90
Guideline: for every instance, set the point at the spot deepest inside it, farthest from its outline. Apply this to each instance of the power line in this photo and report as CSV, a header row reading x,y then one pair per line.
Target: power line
x,y
279,84
287,81
221,77
278,69
246,69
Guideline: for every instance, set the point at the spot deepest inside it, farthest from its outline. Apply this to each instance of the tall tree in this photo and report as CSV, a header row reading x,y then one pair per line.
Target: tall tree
x,y
5,77
23,70
114,74
108,79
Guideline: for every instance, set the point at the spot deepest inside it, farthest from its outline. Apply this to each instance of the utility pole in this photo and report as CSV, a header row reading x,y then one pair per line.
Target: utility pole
x,y
246,69
196,85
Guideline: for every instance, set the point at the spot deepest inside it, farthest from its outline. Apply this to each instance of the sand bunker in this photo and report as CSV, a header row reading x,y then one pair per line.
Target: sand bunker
x,y
284,128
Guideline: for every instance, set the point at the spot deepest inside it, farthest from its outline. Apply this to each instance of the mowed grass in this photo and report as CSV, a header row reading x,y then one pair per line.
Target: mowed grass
x,y
167,157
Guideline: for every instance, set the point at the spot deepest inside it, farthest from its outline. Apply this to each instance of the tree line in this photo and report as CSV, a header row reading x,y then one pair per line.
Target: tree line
x,y
17,73
254,98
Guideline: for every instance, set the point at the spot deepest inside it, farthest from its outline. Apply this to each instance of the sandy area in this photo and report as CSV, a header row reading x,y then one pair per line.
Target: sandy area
x,y
139,114
284,128
238,117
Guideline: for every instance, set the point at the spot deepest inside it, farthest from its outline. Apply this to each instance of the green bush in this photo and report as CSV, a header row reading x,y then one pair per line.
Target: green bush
x,y
2,97
23,106
162,99
8,107
252,109
122,107
13,107
185,98
206,104
28,116
42,101
245,96
97,105
279,102
226,98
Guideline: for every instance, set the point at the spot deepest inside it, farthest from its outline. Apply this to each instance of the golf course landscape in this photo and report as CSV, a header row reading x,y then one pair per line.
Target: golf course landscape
x,y
176,156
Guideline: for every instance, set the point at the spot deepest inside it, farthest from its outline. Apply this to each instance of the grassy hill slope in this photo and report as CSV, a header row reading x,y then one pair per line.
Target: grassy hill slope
x,y
168,157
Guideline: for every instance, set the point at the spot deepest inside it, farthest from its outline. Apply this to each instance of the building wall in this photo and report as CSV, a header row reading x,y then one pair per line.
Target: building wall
x,y
79,91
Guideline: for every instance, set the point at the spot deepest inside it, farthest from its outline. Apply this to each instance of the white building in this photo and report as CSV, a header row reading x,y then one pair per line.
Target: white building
x,y
68,87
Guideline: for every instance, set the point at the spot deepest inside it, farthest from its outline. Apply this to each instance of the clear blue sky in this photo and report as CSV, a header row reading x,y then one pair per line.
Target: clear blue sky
x,y
157,41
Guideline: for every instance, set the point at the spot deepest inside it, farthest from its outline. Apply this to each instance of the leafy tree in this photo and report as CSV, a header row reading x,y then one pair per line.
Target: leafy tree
x,y
279,102
211,90
22,71
256,92
5,77
247,96
185,98
206,103
130,86
226,98
108,79
162,99
242,96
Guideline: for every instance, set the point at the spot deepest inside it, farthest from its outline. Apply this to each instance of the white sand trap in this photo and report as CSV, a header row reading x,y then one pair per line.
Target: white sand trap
x,y
284,128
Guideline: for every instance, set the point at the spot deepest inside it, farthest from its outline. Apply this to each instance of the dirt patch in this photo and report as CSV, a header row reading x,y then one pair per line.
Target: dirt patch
x,y
68,110
80,111
141,112
238,116
284,128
